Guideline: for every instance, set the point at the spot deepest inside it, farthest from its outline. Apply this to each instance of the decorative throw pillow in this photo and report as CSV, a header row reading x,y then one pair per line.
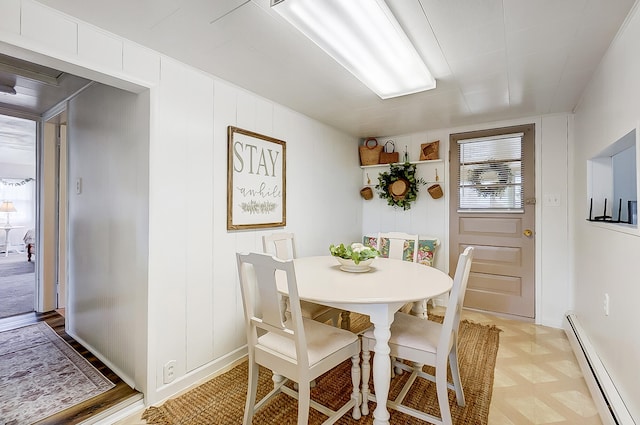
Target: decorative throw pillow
x,y
371,241
427,251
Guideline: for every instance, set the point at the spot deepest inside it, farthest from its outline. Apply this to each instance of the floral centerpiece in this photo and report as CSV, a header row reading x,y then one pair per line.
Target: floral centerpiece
x,y
354,257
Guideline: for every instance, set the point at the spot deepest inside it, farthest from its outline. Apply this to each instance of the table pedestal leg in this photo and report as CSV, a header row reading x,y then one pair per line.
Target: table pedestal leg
x,y
381,372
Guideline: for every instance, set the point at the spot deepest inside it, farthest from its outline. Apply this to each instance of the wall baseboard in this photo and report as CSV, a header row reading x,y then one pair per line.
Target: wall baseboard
x,y
610,405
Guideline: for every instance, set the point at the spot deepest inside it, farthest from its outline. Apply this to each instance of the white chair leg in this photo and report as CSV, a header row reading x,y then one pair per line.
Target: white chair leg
x,y
304,401
252,386
366,372
355,380
443,396
455,373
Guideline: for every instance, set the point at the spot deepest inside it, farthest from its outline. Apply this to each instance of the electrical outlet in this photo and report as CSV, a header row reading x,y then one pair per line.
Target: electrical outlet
x,y
169,371
606,304
552,200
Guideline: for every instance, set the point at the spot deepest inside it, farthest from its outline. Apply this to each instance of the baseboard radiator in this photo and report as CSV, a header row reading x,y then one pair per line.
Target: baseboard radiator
x,y
610,405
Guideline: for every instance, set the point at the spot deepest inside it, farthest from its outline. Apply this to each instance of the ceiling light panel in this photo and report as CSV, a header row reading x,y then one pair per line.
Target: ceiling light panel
x,y
365,38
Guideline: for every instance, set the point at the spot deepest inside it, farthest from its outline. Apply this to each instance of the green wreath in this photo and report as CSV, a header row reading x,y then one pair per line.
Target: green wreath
x,y
491,179
399,186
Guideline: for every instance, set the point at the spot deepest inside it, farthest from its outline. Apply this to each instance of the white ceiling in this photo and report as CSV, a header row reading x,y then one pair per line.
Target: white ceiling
x,y
493,59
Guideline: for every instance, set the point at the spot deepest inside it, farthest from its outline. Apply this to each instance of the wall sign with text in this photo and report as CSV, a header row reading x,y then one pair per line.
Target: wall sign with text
x,y
256,180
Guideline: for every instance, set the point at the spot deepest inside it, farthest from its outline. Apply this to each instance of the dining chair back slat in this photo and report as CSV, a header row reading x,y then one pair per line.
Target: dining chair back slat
x,y
398,245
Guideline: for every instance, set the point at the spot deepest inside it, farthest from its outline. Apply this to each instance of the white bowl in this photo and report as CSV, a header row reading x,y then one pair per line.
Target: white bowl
x,y
348,265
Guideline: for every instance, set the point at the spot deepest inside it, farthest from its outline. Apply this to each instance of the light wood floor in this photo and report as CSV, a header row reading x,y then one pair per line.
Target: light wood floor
x,y
94,406
537,378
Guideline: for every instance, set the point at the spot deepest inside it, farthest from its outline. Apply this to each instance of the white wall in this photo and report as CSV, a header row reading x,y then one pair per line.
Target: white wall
x,y
108,145
606,260
196,317
429,216
189,285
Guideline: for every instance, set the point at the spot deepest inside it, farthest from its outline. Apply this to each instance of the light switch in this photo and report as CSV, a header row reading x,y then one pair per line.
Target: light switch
x,y
78,186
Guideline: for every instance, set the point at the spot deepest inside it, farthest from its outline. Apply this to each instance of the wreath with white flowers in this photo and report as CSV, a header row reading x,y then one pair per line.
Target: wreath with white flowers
x,y
399,186
490,179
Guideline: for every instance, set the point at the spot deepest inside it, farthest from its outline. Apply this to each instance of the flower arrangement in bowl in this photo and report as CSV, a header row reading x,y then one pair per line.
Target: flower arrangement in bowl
x,y
355,257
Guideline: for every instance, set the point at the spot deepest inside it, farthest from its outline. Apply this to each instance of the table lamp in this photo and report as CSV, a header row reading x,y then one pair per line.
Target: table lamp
x,y
7,206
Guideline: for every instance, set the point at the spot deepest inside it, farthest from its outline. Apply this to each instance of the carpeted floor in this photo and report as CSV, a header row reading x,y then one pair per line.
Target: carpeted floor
x,y
17,285
33,355
220,401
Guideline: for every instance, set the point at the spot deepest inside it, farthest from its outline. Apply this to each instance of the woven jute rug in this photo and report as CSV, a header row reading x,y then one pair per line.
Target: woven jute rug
x,y
221,400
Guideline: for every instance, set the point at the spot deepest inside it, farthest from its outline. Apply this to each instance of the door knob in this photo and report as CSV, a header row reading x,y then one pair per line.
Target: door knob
x,y
527,233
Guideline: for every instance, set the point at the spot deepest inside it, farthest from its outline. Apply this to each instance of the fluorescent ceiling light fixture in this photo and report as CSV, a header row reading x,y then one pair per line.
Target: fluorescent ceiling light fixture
x,y
365,38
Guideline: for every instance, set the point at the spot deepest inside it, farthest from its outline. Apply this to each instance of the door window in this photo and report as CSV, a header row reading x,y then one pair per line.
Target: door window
x,y
490,177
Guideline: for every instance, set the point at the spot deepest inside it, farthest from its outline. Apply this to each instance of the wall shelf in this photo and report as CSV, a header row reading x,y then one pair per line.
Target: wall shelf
x,y
432,161
428,170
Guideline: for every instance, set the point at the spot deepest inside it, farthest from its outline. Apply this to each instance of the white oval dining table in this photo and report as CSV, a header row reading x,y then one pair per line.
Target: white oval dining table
x,y
378,293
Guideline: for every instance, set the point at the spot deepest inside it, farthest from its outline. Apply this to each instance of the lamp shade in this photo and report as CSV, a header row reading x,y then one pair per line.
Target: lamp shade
x,y
7,206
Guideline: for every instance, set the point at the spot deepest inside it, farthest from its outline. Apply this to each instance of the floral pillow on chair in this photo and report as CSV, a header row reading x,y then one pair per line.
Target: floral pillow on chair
x,y
426,248
427,251
371,241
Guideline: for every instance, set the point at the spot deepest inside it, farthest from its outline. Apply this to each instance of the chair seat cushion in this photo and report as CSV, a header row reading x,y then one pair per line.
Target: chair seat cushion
x,y
322,341
413,332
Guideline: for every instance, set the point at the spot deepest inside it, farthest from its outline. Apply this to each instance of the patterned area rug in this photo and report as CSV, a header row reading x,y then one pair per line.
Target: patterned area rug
x,y
220,401
40,374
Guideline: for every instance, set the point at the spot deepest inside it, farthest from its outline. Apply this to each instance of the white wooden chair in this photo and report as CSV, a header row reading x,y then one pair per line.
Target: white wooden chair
x,y
282,245
397,245
298,349
401,246
425,342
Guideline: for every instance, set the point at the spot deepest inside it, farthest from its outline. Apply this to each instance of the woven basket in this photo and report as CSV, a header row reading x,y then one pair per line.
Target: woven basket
x,y
435,190
389,155
430,151
370,152
366,193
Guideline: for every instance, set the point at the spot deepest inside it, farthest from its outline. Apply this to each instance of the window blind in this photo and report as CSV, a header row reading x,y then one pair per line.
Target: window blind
x,y
490,177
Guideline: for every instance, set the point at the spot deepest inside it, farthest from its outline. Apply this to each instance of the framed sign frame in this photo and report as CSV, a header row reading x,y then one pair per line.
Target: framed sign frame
x,y
256,180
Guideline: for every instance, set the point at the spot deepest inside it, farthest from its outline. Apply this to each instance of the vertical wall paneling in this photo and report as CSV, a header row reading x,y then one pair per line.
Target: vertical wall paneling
x,y
228,315
197,237
552,229
169,177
